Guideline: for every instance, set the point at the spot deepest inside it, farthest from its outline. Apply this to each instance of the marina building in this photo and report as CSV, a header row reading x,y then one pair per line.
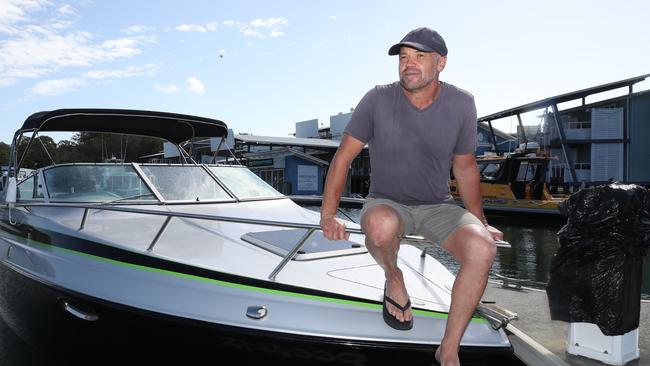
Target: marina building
x,y
594,141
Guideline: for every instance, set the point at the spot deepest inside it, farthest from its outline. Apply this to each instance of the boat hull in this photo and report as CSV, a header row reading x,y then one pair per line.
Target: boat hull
x,y
35,312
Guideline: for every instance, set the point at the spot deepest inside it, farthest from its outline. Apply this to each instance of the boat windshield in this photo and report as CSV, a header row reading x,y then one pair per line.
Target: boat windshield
x,y
184,183
243,183
490,170
95,183
122,183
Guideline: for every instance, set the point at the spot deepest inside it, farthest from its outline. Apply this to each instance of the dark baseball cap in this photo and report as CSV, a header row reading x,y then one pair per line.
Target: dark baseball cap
x,y
422,39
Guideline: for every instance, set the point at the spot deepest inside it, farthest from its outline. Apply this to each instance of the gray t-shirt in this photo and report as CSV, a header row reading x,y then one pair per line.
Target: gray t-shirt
x,y
411,150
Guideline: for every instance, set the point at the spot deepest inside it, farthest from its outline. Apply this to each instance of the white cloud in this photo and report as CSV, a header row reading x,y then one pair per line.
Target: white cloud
x,y
190,28
137,29
270,22
129,71
48,51
166,88
6,81
57,86
67,9
212,26
333,17
195,85
62,24
252,33
15,11
38,46
258,28
254,27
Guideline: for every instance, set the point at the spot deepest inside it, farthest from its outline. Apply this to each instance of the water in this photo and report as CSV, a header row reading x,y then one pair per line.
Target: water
x,y
534,243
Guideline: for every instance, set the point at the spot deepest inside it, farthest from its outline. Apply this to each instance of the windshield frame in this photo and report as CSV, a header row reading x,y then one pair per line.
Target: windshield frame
x,y
158,198
139,166
241,199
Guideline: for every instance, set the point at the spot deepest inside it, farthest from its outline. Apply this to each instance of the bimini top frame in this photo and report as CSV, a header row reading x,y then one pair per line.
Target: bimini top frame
x,y
173,127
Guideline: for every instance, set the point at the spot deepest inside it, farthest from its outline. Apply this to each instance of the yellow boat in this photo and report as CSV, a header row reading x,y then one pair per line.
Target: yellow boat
x,y
515,184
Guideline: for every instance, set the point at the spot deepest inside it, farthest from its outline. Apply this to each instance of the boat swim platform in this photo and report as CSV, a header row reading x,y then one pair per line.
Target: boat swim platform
x,y
539,341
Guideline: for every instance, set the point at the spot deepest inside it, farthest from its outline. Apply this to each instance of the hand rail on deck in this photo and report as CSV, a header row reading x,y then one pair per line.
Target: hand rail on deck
x,y
169,214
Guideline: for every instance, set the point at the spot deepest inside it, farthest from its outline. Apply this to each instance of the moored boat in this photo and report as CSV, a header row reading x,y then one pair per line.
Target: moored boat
x,y
151,261
515,184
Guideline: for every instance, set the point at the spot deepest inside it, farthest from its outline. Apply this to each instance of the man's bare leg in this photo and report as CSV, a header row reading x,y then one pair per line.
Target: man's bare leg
x,y
474,248
383,226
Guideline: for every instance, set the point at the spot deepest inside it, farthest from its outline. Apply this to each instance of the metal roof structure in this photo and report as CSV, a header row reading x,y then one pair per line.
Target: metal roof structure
x,y
552,102
286,151
288,141
547,102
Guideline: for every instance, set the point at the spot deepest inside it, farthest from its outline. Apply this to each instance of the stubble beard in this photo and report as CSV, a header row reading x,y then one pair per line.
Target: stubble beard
x,y
416,85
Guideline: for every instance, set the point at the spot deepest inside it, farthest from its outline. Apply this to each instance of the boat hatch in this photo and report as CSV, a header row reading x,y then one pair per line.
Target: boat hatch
x,y
316,246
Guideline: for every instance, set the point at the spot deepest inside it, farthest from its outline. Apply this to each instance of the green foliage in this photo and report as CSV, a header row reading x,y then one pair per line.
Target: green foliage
x,y
5,150
84,147
42,152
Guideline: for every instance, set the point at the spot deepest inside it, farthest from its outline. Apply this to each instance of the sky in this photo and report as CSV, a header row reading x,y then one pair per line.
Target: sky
x,y
261,66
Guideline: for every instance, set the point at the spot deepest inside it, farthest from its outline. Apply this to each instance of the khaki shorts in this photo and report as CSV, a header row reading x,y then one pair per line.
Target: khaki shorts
x,y
434,222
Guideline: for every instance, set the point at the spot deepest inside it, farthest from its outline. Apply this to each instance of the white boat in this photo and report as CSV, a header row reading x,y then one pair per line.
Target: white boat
x,y
150,260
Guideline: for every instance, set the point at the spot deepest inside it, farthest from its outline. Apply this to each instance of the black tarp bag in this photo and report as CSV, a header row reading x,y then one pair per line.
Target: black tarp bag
x,y
595,276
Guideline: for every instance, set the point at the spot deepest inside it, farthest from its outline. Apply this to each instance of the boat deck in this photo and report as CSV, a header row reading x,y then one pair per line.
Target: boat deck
x,y
540,341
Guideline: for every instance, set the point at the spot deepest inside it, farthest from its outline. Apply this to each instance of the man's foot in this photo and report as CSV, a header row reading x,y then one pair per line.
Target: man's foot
x,y
437,355
396,291
391,320
446,360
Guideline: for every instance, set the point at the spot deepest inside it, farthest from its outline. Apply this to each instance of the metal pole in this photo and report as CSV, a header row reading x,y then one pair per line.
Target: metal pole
x,y
565,146
291,254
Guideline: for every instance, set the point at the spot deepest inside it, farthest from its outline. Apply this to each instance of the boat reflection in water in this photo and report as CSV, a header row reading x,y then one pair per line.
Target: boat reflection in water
x,y
152,261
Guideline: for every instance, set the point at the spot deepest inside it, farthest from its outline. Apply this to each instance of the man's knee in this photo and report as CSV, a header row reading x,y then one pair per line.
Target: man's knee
x,y
382,224
486,249
472,244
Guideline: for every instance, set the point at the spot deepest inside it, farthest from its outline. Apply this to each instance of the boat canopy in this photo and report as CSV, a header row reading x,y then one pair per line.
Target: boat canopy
x,y
173,127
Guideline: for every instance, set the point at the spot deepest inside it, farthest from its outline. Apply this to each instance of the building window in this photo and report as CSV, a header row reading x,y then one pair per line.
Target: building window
x,y
275,178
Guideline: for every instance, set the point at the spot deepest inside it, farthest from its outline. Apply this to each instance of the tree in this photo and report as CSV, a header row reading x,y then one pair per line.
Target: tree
x,y
84,147
41,153
5,150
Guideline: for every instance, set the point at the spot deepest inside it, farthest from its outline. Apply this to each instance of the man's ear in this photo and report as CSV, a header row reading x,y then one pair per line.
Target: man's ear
x,y
442,61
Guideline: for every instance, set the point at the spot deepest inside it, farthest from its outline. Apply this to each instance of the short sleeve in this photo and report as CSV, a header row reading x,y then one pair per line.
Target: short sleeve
x,y
467,140
361,123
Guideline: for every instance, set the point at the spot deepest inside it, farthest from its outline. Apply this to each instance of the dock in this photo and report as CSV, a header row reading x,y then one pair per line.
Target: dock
x,y
539,341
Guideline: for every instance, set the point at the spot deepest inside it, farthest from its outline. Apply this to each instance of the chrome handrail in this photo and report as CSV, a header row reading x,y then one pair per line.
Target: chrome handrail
x,y
291,254
169,214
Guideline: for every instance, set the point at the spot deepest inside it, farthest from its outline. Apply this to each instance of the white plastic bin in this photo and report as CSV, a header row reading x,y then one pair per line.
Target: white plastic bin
x,y
586,339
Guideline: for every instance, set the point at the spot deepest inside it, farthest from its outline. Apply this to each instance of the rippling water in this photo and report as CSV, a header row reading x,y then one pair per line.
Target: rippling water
x,y
534,243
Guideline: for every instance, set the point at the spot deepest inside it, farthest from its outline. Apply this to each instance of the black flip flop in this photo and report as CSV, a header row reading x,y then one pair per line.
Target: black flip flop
x,y
391,320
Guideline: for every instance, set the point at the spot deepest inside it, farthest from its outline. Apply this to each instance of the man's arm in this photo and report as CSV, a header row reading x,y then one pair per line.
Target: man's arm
x,y
334,183
468,181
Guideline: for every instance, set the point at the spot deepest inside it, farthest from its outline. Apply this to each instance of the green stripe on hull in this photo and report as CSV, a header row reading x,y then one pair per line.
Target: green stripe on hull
x,y
427,313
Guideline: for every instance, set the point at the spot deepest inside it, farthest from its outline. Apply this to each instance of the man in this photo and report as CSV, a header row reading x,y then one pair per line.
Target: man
x,y
417,129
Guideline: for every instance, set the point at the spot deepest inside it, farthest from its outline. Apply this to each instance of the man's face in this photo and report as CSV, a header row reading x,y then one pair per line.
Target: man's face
x,y
419,69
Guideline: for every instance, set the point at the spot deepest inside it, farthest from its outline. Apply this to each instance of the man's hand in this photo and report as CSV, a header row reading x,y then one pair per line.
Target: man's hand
x,y
333,228
496,233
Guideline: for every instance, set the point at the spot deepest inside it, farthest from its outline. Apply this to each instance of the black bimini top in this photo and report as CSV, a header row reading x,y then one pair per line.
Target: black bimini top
x,y
170,126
